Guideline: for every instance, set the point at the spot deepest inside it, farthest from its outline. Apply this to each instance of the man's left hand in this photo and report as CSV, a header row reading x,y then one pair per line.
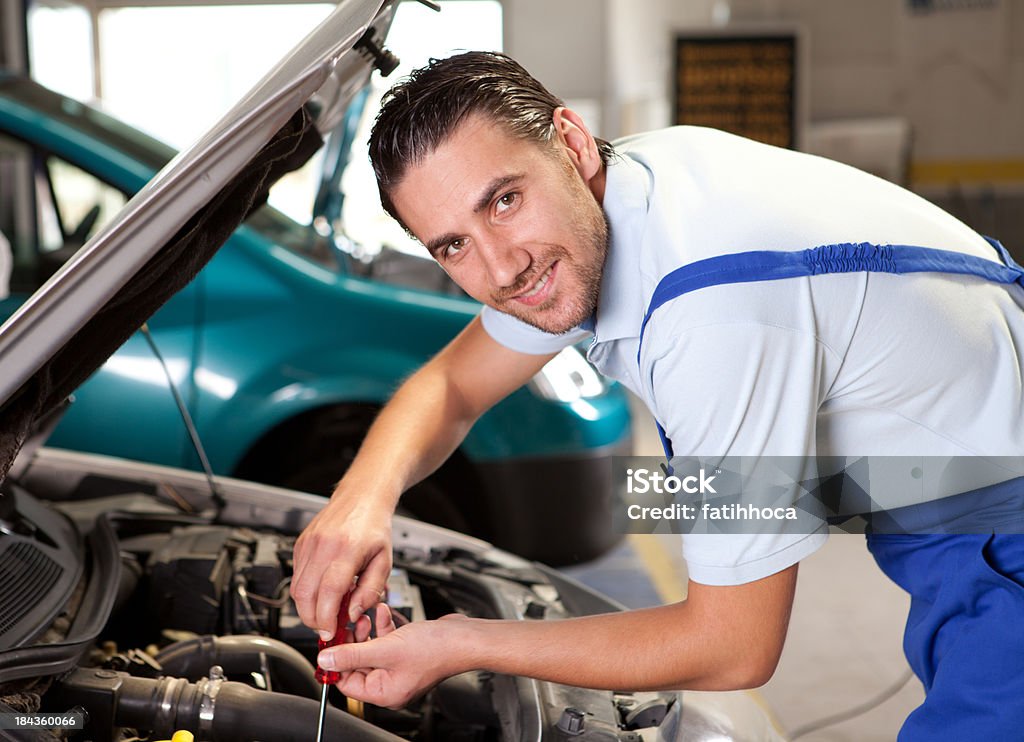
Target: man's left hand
x,y
401,664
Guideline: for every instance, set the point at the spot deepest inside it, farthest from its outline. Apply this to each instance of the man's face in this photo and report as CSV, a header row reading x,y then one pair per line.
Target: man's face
x,y
511,221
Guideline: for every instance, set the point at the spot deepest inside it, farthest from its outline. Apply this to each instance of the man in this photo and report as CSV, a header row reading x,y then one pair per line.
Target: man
x,y
562,236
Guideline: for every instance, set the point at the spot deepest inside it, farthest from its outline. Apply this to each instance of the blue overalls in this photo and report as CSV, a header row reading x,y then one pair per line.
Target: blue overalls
x,y
964,636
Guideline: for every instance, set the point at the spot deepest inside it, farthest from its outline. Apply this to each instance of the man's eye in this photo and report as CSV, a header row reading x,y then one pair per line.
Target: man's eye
x,y
506,202
453,248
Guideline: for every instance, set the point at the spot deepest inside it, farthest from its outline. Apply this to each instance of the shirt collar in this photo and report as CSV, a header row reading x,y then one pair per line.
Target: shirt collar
x,y
620,306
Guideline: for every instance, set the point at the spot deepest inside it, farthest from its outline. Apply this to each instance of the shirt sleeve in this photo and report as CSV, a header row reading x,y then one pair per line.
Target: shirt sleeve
x,y
519,336
739,389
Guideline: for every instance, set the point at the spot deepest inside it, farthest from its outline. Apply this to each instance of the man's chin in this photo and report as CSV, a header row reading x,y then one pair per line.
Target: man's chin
x,y
548,321
560,329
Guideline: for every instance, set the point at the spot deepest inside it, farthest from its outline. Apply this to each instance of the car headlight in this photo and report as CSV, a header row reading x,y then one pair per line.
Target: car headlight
x,y
567,377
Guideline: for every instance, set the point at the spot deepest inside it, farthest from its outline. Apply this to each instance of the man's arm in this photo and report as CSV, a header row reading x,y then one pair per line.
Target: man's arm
x,y
719,638
413,435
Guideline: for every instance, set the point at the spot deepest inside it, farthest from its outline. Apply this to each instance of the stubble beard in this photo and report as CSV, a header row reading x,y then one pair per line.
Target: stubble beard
x,y
562,312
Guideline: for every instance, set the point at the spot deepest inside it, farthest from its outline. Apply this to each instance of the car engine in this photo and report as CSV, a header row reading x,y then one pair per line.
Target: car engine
x,y
143,621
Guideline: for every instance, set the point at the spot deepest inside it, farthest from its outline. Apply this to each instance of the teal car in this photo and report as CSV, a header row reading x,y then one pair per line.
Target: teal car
x,y
284,347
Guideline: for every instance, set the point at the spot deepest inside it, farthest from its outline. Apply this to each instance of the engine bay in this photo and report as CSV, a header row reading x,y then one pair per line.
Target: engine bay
x,y
146,621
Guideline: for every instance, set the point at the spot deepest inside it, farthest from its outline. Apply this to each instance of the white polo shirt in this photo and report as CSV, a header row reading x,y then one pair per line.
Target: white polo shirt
x,y
853,364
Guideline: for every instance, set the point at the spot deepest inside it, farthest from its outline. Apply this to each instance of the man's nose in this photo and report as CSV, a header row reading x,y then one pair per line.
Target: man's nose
x,y
504,262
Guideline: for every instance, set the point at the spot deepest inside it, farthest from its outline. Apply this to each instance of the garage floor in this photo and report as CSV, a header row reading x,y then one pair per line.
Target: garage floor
x,y
844,642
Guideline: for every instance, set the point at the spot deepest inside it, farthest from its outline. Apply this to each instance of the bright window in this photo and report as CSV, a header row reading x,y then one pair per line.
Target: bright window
x,y
174,71
60,51
417,34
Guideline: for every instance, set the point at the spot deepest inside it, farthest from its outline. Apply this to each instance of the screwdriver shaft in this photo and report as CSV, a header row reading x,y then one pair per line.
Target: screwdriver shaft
x,y
323,710
330,677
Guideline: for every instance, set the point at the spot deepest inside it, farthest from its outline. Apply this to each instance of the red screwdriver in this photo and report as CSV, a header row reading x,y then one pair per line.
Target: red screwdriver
x,y
330,677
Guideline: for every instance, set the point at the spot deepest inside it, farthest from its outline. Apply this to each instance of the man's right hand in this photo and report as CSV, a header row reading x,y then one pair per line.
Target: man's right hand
x,y
349,539
416,431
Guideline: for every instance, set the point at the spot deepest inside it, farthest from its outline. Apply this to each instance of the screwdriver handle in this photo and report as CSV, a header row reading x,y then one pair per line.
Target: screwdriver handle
x,y
330,677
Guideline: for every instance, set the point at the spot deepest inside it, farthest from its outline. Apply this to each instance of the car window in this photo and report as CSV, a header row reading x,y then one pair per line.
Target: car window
x,y
49,208
82,201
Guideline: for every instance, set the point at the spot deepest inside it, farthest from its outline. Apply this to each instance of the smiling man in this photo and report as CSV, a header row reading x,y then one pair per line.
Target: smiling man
x,y
762,303
515,225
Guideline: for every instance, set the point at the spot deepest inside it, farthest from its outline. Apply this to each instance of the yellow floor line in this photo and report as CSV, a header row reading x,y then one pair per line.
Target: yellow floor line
x,y
761,701
951,172
670,585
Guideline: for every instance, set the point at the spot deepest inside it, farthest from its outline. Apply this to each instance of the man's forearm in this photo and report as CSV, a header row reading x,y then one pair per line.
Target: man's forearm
x,y
349,540
413,435
652,649
720,638
433,411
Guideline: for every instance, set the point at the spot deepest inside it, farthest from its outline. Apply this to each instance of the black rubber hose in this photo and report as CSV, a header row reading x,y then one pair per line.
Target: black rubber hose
x,y
238,713
131,572
193,658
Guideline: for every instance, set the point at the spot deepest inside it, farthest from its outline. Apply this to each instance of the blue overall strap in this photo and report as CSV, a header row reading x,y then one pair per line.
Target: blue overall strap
x,y
767,265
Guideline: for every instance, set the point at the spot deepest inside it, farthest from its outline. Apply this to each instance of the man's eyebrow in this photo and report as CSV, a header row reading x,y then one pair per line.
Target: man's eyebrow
x,y
438,243
492,190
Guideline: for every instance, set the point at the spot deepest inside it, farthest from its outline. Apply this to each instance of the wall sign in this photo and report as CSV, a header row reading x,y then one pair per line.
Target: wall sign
x,y
743,83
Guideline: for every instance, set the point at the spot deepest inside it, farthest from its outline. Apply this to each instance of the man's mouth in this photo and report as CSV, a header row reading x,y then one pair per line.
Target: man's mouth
x,y
540,289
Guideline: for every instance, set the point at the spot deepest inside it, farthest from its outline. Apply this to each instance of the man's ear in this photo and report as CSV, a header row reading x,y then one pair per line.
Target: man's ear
x,y
579,143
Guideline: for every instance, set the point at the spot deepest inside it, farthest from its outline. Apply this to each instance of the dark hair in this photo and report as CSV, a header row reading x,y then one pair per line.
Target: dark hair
x,y
422,110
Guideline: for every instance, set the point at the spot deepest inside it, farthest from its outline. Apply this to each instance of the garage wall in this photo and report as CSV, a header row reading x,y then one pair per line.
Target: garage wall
x,y
609,57
950,66
562,44
954,69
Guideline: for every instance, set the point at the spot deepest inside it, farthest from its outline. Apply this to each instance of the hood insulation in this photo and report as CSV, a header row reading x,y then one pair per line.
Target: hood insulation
x,y
168,272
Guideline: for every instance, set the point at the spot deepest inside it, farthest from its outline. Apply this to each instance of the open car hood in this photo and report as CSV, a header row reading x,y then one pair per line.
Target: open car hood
x,y
171,228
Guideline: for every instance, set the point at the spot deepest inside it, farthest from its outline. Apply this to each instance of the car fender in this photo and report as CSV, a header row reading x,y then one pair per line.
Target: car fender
x,y
291,388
